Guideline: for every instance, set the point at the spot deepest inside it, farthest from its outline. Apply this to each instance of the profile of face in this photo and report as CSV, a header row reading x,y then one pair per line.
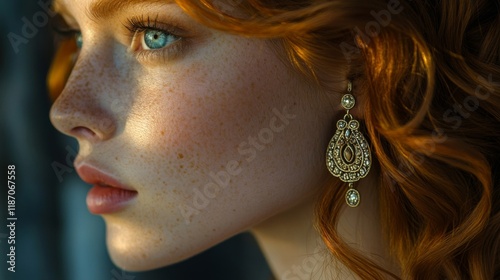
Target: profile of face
x,y
189,135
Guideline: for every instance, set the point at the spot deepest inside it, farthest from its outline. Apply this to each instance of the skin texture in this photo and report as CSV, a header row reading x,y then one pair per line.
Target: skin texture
x,y
164,124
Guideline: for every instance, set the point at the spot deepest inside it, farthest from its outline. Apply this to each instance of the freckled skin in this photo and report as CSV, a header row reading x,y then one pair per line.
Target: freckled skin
x,y
163,127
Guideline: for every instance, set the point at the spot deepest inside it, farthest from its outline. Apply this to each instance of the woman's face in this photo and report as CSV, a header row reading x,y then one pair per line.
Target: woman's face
x,y
214,132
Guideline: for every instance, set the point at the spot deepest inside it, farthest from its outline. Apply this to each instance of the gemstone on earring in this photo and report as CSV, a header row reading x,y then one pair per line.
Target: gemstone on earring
x,y
347,133
341,124
348,154
354,124
348,101
352,197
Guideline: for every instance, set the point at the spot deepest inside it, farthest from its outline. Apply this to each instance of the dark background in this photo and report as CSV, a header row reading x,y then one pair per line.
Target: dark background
x,y
56,237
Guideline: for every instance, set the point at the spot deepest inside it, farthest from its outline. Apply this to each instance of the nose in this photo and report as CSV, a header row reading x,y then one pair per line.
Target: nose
x,y
82,110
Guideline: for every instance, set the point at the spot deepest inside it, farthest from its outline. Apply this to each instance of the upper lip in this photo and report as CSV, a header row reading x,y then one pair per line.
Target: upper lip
x,y
94,176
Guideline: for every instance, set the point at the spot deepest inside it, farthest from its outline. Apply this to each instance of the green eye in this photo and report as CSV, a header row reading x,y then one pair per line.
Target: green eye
x,y
156,39
79,40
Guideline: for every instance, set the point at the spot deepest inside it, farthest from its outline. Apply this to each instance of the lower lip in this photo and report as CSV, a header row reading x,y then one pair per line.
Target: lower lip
x,y
103,199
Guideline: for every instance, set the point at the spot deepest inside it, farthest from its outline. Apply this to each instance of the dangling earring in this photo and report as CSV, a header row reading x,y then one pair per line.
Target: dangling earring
x,y
348,155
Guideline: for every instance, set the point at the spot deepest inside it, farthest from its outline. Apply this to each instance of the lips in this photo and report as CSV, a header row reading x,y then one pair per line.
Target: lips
x,y
107,194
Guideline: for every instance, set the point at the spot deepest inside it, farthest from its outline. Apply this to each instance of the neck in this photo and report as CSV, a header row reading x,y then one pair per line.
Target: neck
x,y
294,249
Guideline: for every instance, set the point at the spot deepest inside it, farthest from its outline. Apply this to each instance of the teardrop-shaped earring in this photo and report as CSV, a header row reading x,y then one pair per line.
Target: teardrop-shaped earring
x,y
348,155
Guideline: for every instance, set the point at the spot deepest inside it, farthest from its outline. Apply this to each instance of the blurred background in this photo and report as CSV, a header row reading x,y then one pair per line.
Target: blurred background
x,y
56,237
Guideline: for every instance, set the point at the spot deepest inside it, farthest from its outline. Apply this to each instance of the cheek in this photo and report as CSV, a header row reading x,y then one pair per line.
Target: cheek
x,y
201,112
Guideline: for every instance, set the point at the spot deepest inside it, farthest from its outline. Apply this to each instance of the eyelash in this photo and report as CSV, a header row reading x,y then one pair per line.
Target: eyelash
x,y
136,26
62,30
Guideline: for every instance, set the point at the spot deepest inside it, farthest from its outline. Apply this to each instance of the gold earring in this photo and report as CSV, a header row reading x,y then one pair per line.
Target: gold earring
x,y
348,155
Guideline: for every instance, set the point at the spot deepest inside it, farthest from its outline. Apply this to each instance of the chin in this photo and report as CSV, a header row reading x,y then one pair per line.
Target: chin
x,y
140,261
138,248
137,257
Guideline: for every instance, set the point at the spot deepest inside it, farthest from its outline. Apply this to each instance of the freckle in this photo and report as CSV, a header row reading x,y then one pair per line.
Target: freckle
x,y
163,132
234,210
181,166
116,158
214,230
181,156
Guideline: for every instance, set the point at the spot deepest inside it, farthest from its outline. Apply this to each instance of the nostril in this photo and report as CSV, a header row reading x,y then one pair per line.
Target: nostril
x,y
83,132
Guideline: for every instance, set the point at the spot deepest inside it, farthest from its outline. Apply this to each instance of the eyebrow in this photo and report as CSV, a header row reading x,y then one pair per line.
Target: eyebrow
x,y
101,9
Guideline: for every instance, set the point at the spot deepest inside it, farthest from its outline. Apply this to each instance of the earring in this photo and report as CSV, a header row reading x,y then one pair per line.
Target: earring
x,y
348,155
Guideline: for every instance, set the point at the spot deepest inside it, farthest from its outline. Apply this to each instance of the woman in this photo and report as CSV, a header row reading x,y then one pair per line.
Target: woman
x,y
198,120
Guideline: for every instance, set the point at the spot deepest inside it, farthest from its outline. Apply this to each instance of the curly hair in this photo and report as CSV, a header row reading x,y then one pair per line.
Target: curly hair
x,y
430,74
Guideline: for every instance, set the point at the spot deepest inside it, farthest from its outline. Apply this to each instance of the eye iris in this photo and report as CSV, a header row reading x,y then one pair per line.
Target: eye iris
x,y
155,39
79,40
